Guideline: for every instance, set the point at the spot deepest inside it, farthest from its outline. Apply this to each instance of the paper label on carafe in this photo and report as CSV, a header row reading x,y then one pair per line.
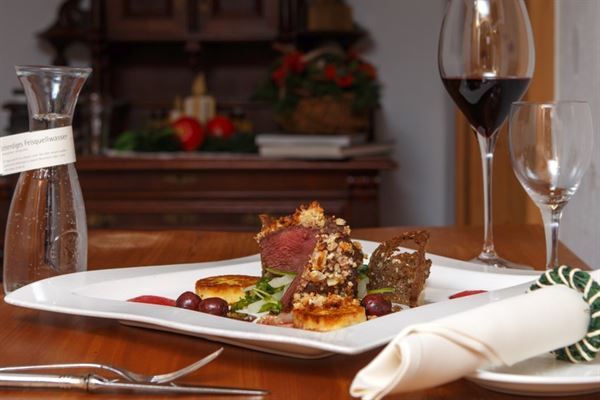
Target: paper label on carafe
x,y
38,149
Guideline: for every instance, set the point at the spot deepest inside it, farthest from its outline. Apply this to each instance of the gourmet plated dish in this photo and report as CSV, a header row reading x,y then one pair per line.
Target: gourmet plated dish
x,y
314,276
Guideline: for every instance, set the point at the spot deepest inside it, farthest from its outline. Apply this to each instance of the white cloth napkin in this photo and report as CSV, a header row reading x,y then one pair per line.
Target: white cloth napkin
x,y
500,333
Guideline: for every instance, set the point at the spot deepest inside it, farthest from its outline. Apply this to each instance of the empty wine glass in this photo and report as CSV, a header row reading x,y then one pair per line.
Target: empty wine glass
x,y
486,60
550,148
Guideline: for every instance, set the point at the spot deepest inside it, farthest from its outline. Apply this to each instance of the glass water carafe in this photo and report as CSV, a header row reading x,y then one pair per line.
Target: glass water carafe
x,y
46,230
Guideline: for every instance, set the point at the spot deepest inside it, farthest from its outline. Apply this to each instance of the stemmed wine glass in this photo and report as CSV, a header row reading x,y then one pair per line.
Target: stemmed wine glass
x,y
550,149
486,60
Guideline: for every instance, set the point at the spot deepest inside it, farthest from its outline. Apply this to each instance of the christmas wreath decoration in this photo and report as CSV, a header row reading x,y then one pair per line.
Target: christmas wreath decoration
x,y
324,91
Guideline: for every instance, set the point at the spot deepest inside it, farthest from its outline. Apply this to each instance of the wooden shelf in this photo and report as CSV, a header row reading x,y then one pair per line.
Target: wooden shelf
x,y
218,191
226,161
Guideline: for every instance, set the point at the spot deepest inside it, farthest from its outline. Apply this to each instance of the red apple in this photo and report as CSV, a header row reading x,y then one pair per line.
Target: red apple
x,y
221,127
190,132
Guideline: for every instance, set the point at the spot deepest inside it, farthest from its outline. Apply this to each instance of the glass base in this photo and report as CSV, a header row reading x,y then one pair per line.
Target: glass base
x,y
494,260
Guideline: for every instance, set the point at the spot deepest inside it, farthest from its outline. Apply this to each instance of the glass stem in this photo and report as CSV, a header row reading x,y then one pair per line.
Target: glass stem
x,y
551,216
487,144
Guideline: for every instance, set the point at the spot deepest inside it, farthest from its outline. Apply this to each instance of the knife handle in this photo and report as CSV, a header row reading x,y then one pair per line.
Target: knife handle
x,y
43,381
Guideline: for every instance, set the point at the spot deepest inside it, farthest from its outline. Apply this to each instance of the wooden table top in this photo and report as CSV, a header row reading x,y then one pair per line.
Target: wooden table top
x,y
34,337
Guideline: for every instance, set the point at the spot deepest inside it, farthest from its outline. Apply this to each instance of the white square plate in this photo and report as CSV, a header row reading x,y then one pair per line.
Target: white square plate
x,y
103,293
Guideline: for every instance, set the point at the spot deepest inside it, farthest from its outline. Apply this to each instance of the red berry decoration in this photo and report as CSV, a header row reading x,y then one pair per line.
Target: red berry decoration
x,y
344,81
330,72
294,62
279,76
368,70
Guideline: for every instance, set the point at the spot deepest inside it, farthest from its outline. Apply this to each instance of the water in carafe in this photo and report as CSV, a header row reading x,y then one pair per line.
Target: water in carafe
x,y
46,231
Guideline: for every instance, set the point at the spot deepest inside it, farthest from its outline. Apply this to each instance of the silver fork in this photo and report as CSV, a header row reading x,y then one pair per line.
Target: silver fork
x,y
123,373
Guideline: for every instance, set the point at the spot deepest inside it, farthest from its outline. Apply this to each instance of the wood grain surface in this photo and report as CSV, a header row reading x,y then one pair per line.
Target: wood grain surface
x,y
29,336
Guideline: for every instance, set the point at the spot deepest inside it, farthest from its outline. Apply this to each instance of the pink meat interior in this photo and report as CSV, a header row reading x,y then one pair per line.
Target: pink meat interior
x,y
288,249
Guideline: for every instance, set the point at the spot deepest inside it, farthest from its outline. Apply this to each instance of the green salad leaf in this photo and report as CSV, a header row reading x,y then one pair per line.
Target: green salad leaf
x,y
362,271
265,295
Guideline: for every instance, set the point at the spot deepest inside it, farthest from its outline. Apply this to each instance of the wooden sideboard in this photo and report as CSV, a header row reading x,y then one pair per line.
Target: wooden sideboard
x,y
218,192
145,54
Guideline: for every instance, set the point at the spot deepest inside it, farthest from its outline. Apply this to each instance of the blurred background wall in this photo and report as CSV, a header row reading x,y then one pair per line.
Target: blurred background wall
x,y
416,112
20,20
578,77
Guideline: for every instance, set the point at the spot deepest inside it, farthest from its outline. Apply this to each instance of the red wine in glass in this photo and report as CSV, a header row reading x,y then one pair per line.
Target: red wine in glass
x,y
485,102
486,58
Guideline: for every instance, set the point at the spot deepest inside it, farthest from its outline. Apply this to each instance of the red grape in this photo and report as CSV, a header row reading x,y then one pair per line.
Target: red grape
x,y
376,304
214,306
188,300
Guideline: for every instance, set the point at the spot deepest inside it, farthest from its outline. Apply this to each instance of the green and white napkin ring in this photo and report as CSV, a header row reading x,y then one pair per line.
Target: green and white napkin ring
x,y
587,348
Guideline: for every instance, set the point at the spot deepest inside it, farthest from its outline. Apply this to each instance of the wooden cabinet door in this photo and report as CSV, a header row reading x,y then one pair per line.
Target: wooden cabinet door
x,y
146,20
252,19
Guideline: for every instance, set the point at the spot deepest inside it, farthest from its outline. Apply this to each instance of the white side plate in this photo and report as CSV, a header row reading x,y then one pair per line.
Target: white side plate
x,y
542,376
103,293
